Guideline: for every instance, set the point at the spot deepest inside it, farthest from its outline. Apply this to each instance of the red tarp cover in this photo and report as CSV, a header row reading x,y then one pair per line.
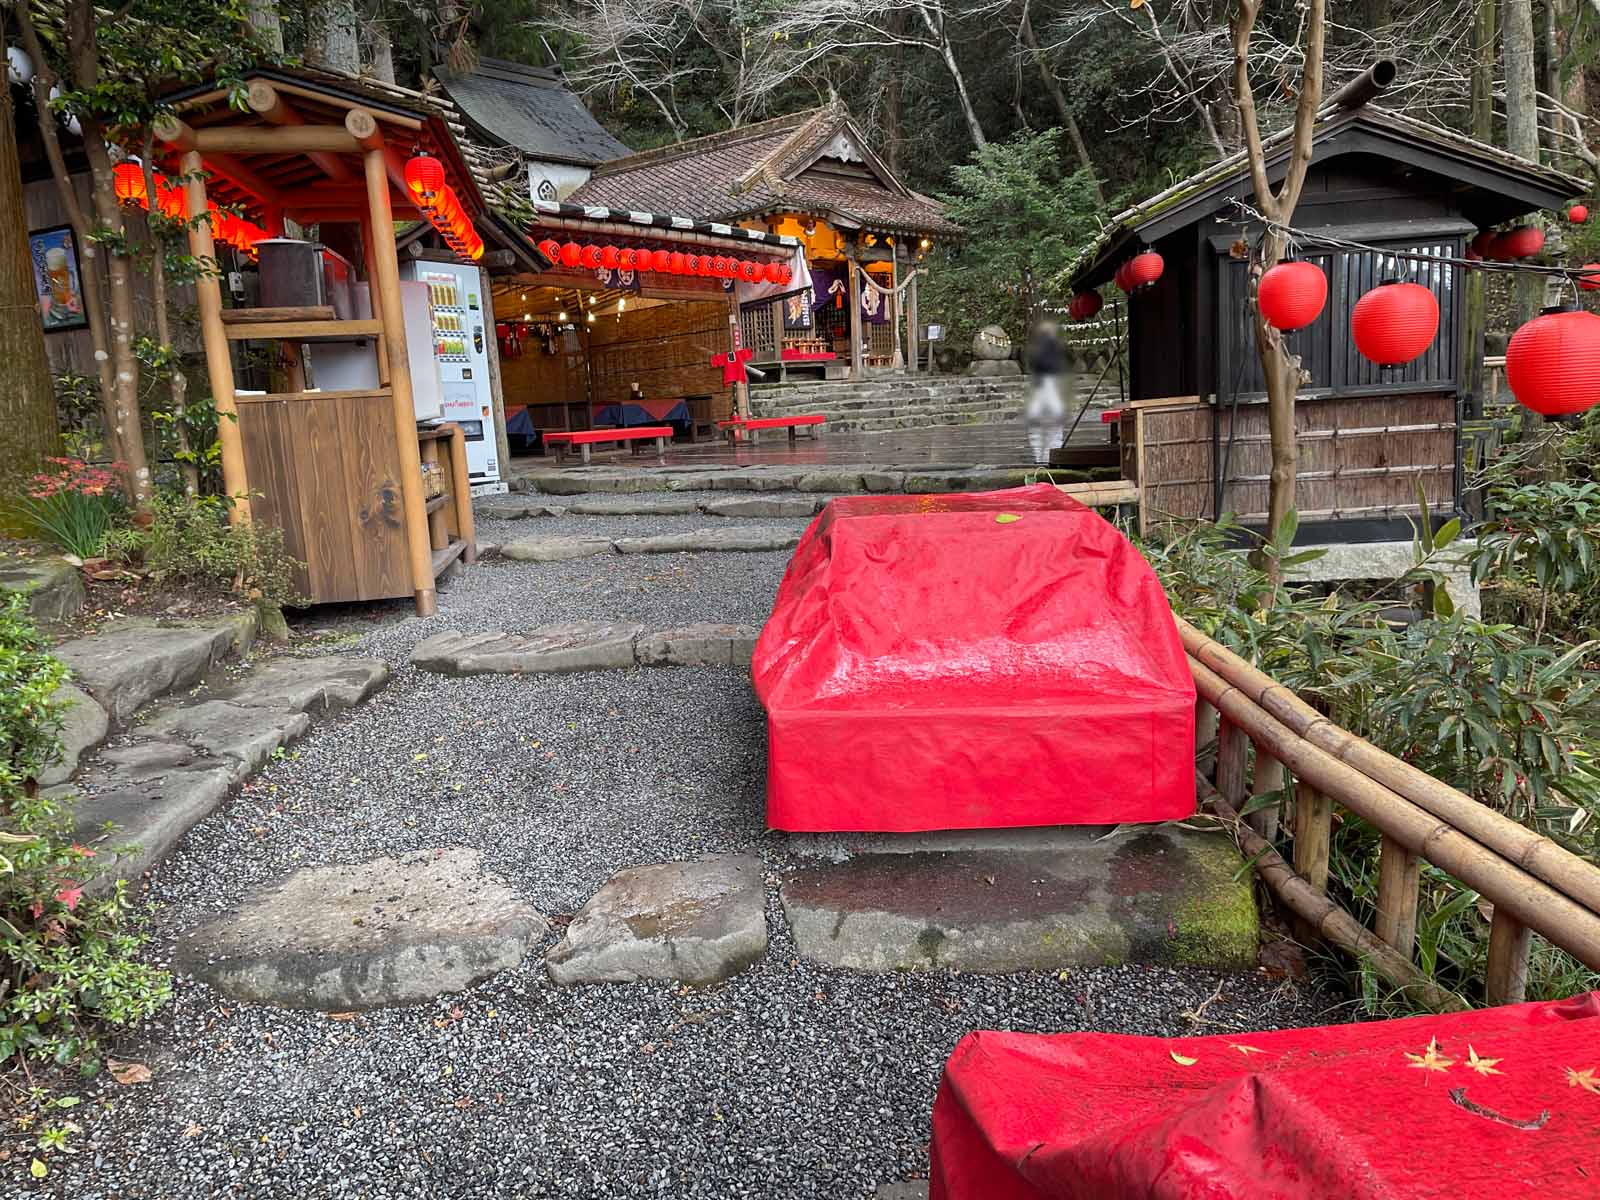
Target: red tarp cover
x,y
970,662
1497,1103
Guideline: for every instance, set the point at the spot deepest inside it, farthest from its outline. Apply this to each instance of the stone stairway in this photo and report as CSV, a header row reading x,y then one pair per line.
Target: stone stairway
x,y
895,402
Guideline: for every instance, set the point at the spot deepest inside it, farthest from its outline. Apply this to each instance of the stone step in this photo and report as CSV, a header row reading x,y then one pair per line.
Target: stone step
x,y
182,756
514,506
583,646
850,399
898,407
881,424
727,538
53,586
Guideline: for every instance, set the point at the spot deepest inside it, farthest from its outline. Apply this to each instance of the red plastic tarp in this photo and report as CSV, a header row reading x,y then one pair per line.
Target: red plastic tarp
x,y
972,661
1496,1103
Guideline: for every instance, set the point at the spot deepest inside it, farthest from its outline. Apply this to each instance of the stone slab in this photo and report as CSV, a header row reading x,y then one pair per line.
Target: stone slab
x,y
762,506
696,922
242,734
1389,560
697,646
325,684
554,549
54,587
1156,894
640,506
132,661
515,508
150,795
579,646
831,481
84,725
389,931
711,541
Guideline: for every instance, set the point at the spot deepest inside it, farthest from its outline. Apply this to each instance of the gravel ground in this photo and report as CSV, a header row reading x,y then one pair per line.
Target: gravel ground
x,y
789,1081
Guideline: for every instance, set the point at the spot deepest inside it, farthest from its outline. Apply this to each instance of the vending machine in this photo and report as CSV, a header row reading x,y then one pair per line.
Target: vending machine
x,y
463,323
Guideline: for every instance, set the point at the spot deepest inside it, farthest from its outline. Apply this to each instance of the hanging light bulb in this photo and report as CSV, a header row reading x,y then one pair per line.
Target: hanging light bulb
x,y
562,316
622,303
591,316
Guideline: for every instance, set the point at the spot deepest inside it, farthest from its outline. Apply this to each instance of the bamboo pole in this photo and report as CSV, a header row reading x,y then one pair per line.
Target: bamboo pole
x,y
1537,855
278,139
1530,900
1270,777
1510,942
1324,916
214,339
384,282
1399,885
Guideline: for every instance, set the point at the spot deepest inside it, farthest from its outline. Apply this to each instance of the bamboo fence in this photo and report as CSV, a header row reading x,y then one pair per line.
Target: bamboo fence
x,y
1534,885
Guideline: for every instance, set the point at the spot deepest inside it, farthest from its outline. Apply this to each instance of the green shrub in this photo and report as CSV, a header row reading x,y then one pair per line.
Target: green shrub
x,y
189,542
1539,554
68,952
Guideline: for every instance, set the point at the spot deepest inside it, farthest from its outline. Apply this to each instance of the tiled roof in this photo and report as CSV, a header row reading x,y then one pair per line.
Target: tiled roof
x,y
532,110
759,169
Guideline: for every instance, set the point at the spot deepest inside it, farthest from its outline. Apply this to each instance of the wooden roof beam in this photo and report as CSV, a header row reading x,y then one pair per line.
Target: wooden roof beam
x,y
271,107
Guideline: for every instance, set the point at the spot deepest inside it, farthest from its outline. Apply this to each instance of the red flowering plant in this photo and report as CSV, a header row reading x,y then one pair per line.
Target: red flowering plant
x,y
74,505
69,942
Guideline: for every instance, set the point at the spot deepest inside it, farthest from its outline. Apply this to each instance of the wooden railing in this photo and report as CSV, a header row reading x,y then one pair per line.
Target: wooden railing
x,y
1535,885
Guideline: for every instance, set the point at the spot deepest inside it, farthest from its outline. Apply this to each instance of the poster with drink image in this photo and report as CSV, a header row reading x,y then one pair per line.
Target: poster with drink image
x,y
55,279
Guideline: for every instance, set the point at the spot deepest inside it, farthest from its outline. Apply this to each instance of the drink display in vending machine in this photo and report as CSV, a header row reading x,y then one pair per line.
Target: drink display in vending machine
x,y
462,324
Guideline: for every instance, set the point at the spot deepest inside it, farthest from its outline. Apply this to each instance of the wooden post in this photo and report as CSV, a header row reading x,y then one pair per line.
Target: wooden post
x,y
1270,777
1232,762
899,359
854,292
385,284
1313,834
219,363
461,496
911,321
1506,979
1399,875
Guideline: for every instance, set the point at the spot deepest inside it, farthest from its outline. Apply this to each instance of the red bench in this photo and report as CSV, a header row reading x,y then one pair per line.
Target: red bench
x,y
753,425
584,438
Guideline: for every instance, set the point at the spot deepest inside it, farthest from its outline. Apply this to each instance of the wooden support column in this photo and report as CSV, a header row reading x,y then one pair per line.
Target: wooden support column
x,y
854,292
1233,766
384,280
219,363
1399,878
1270,777
1313,844
911,317
899,359
1510,941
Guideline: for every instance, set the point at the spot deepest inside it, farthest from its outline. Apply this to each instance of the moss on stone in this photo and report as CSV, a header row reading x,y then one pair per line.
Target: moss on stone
x,y
1217,925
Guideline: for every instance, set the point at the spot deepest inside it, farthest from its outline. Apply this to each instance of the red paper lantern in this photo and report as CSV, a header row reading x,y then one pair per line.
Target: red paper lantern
x,y
591,257
1521,242
1589,277
625,259
749,271
719,267
661,260
785,274
551,249
675,262
1482,244
608,257
691,264
1553,362
571,254
1291,295
1578,214
1144,269
424,176
171,200
1395,322
774,272
1084,305
127,180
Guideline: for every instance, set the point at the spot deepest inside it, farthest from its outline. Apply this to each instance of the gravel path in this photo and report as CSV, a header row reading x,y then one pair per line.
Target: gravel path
x,y
789,1081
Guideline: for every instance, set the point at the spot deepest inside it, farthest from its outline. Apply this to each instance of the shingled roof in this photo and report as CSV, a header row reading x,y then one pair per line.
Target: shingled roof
x,y
531,109
781,165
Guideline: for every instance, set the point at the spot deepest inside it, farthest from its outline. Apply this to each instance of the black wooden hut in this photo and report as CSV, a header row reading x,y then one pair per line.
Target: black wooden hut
x,y
1195,431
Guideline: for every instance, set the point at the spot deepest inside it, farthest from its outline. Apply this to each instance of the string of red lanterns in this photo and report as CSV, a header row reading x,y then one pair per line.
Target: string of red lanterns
x,y
127,180
592,256
437,201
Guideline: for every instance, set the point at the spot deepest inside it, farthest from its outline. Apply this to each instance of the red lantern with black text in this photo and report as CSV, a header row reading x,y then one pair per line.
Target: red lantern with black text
x,y
127,180
1395,322
719,267
704,269
785,274
1553,362
551,249
691,264
571,254
1521,242
1292,295
591,257
625,259
773,272
1144,269
608,257
749,271
425,177
1578,214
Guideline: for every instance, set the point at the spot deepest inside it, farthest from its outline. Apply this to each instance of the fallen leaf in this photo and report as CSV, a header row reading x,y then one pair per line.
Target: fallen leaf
x,y
1247,1051
38,1170
341,1016
1008,518
1483,1066
191,1130
128,1072
1430,1059
1183,1060
1585,1079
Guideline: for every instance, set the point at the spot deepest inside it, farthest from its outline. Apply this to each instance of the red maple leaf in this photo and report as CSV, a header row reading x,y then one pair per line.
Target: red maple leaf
x,y
70,896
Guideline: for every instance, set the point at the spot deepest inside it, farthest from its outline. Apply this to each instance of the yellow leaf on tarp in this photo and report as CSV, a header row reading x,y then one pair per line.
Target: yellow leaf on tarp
x,y
1183,1060
1483,1066
1430,1059
1005,518
128,1072
1586,1079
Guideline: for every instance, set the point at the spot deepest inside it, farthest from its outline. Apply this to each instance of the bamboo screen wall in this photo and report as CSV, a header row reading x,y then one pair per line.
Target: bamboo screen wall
x,y
1359,457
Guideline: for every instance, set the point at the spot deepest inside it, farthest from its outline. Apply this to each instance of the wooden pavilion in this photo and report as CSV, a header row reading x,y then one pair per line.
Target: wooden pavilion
x,y
340,472
1385,193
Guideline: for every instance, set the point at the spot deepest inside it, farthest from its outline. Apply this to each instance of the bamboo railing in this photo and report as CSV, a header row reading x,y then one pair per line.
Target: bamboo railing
x,y
1534,884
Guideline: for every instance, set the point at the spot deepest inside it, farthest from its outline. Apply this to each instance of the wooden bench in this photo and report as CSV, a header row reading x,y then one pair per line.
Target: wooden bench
x,y
584,438
753,425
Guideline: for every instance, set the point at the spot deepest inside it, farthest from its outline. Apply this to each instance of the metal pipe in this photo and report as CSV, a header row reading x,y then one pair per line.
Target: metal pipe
x,y
1368,85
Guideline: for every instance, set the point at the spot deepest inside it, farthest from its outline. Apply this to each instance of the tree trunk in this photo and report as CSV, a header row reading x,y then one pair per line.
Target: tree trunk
x,y
331,36
27,402
1053,86
1522,123
1484,29
974,126
892,96
178,382
380,49
262,18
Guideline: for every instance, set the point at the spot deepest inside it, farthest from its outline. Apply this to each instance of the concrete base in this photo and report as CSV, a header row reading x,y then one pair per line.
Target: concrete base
x,y
1022,900
1346,561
